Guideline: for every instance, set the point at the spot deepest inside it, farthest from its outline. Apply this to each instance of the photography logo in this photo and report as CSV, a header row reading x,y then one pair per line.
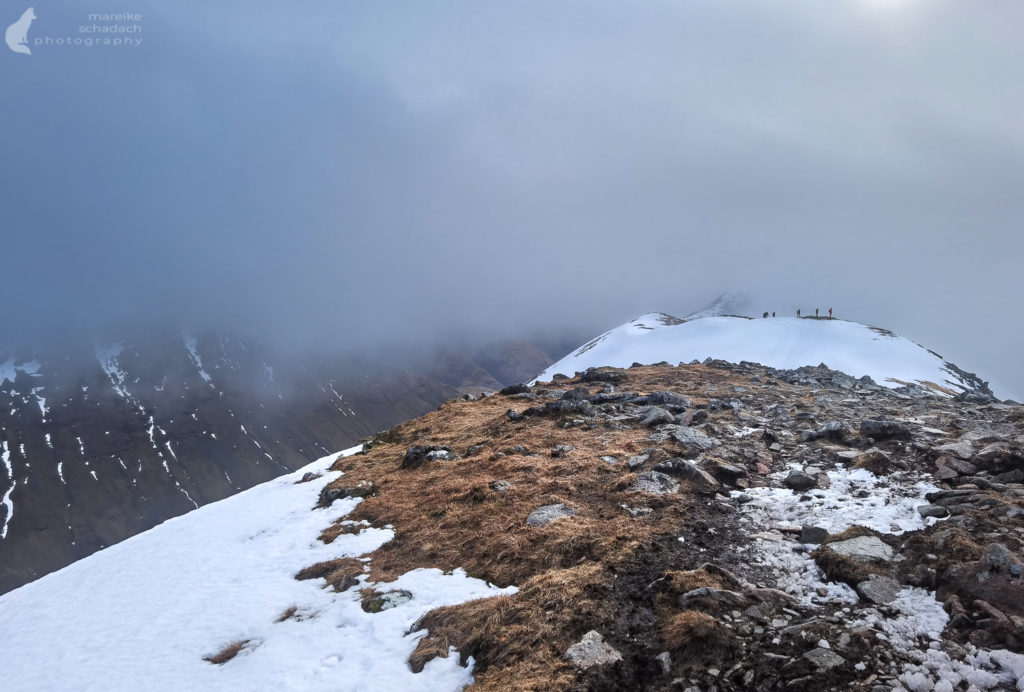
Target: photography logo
x,y
17,33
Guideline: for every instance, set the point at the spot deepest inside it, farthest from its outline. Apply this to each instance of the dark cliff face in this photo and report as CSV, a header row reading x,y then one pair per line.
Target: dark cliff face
x,y
98,444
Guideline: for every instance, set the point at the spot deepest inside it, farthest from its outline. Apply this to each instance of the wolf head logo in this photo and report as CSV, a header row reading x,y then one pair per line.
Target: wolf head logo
x,y
17,33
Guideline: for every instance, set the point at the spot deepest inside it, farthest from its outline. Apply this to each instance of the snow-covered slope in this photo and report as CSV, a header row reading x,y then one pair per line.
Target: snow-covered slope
x,y
785,343
143,614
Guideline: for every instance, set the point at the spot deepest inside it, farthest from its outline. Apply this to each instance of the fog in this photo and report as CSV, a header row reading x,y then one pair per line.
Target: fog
x,y
351,175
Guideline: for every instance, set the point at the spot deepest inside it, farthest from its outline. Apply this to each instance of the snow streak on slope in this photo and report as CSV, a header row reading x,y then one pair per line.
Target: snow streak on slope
x,y
786,342
142,614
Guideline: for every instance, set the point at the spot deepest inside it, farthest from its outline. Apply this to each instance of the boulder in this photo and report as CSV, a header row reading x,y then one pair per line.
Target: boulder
x,y
937,511
833,431
687,471
417,454
879,589
595,375
576,394
655,483
549,513
561,451
884,429
591,651
693,439
799,481
656,416
668,400
864,548
387,601
824,659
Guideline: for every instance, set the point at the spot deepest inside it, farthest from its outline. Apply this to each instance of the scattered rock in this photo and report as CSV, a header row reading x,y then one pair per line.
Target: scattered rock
x,y
591,651
514,415
655,483
576,394
694,440
387,601
936,511
884,429
549,513
687,471
879,589
874,460
833,431
863,548
824,659
656,416
595,375
417,454
561,451
500,486
812,534
799,481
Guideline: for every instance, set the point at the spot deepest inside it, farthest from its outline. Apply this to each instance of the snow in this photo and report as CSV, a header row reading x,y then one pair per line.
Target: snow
x,y
193,353
107,357
784,343
142,614
5,456
10,368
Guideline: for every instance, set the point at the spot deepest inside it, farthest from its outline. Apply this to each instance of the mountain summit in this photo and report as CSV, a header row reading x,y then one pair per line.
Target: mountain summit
x,y
856,349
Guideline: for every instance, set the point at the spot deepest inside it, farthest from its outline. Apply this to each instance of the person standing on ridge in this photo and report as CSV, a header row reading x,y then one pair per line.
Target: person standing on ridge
x,y
815,312
773,313
798,312
830,313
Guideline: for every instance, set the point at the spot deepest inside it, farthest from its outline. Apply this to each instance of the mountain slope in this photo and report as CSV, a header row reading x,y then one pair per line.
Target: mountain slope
x,y
100,443
788,342
145,613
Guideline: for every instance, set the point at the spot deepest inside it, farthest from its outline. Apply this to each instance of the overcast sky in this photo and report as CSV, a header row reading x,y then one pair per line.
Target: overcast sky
x,y
361,172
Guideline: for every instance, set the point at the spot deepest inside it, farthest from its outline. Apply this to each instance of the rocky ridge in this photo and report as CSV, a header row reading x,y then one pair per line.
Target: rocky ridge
x,y
712,527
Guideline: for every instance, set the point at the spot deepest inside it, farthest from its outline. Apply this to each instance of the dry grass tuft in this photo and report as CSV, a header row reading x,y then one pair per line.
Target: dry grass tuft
x,y
854,531
228,652
288,613
680,582
698,638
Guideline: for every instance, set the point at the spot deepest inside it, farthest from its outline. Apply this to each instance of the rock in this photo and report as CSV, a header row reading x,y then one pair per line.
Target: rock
x,y
669,400
576,394
549,513
500,486
863,548
439,455
799,481
963,468
945,474
879,589
961,449
884,429
664,660
387,601
992,453
595,375
515,389
833,431
591,651
656,416
561,451
307,477
824,659
331,493
724,472
812,534
564,407
687,471
874,460
937,511
654,483
475,449
638,461
608,459
514,415
637,511
417,454
693,439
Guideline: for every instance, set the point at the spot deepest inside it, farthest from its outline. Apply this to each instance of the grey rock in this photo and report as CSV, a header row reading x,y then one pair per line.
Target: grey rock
x,y
656,416
513,415
576,394
725,472
812,534
387,601
549,513
439,455
824,659
964,468
561,451
961,449
636,462
654,483
884,429
879,590
591,651
417,454
608,459
500,486
944,473
664,660
570,407
799,481
669,400
834,431
687,471
637,511
693,439
863,548
936,511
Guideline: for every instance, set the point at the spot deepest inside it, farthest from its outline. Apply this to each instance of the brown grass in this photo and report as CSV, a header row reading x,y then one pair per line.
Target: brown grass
x,y
446,516
288,613
698,638
228,652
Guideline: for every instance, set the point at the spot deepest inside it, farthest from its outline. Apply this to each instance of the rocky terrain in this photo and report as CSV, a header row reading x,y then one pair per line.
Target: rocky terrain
x,y
703,527
100,443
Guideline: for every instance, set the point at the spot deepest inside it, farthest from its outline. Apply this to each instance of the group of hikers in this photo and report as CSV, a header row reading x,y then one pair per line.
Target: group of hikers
x,y
799,315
